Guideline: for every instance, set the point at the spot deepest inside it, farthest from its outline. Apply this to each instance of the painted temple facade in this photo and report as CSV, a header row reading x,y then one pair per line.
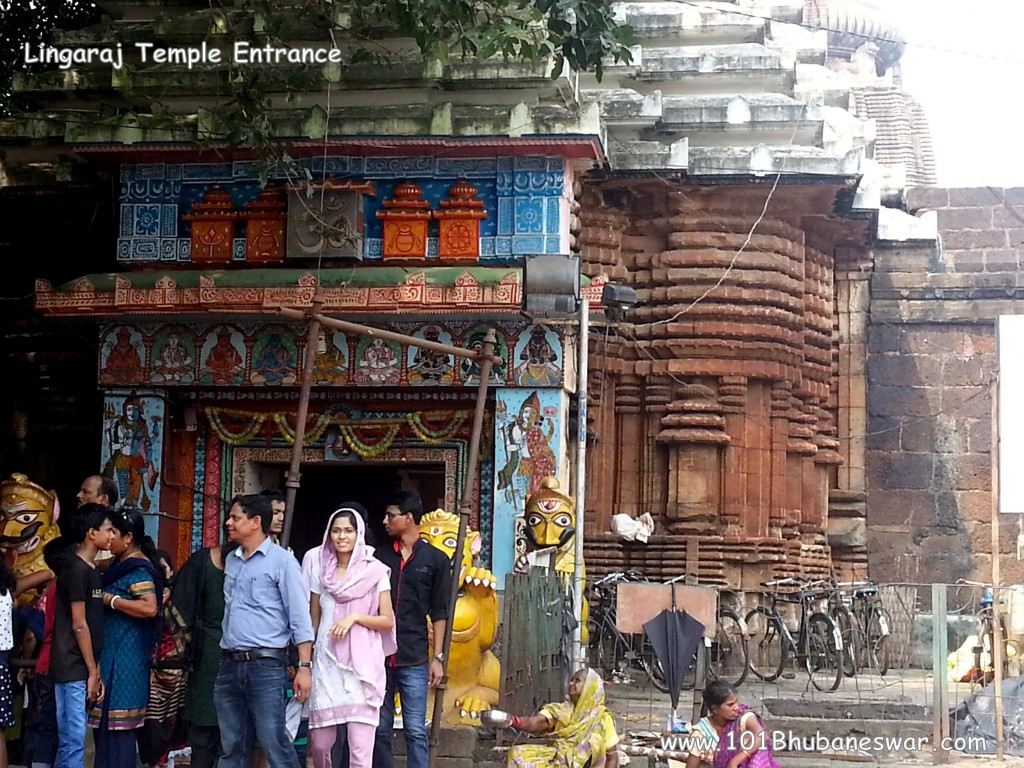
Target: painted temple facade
x,y
737,173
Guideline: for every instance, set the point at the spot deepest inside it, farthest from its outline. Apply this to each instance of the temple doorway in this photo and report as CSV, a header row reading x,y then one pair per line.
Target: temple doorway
x,y
325,486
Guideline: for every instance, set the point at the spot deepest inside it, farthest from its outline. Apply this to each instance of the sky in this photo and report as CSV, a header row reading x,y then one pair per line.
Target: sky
x,y
973,102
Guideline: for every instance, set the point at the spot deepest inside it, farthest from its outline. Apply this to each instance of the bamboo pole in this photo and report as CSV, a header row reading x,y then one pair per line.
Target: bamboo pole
x,y
378,333
486,358
293,476
997,649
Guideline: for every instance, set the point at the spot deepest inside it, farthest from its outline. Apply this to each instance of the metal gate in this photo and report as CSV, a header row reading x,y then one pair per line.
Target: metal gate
x,y
533,662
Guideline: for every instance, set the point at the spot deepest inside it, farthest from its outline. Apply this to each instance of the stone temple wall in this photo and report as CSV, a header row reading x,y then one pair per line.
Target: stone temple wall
x,y
931,364
714,404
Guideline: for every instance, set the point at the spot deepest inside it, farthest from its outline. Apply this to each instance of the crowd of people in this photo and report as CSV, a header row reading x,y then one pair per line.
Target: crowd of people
x,y
278,656
276,649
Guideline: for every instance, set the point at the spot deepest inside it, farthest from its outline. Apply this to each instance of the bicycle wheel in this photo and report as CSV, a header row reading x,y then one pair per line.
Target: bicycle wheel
x,y
766,654
607,649
822,654
848,631
729,649
652,665
877,639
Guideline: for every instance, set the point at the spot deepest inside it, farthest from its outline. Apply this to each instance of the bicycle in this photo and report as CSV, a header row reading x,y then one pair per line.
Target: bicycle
x,y
864,626
728,657
818,643
610,649
986,635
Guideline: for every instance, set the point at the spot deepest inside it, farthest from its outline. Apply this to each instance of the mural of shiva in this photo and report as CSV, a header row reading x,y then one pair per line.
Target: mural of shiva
x,y
30,514
474,672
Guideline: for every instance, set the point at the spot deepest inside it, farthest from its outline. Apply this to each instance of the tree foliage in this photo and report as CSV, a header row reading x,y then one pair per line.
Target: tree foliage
x,y
32,22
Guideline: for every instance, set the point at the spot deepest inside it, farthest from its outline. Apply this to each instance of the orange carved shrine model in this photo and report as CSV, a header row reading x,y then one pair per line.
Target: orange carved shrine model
x,y
213,227
459,223
264,227
405,218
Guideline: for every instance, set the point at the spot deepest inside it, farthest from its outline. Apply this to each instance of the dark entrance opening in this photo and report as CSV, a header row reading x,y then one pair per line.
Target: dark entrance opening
x,y
325,486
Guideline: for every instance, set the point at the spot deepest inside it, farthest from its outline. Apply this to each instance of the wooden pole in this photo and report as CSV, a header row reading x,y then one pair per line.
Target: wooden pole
x,y
378,333
486,358
997,649
293,476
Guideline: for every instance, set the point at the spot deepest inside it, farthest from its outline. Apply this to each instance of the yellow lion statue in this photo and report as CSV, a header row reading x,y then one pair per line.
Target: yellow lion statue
x,y
551,522
30,514
474,673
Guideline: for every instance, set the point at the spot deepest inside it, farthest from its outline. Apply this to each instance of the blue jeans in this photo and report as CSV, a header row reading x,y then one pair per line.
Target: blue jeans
x,y
41,739
250,699
71,723
411,683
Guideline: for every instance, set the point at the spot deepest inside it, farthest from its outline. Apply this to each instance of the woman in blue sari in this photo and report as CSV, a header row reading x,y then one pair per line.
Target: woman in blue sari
x,y
131,627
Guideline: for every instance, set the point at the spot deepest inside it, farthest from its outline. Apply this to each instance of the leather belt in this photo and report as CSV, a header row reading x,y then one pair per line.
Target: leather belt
x,y
278,654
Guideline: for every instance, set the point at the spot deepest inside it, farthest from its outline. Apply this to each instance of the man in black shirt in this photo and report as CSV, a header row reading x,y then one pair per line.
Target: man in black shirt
x,y
420,575
78,632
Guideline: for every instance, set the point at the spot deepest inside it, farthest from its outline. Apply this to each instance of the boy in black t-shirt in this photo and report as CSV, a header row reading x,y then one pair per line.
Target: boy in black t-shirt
x,y
78,632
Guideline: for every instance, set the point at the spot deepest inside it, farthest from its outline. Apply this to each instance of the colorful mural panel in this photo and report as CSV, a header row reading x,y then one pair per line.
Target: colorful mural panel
x,y
132,450
331,364
123,356
223,357
469,369
429,368
269,355
377,362
527,448
538,358
174,356
274,357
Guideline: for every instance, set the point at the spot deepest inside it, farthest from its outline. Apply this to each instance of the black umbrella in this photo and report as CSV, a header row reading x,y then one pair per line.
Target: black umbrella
x,y
675,635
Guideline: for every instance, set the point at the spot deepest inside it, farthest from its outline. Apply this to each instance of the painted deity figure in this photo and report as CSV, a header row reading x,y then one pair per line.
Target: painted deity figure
x,y
551,522
474,672
131,454
470,367
174,366
540,361
433,366
124,361
223,363
275,364
378,365
331,365
30,514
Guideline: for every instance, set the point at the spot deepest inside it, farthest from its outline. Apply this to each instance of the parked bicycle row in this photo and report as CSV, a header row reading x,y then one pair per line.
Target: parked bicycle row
x,y
829,629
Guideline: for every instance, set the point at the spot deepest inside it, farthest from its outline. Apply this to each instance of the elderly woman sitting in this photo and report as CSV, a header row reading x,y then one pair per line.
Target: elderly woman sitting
x,y
583,730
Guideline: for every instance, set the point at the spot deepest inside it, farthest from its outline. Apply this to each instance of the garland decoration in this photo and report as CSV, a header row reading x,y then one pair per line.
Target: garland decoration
x,y
356,437
235,438
431,436
323,421
368,437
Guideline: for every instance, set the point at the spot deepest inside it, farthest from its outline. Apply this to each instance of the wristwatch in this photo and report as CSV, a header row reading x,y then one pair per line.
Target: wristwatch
x,y
439,657
305,665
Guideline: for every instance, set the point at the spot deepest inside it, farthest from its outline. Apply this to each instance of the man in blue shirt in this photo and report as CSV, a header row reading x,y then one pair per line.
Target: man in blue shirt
x,y
266,608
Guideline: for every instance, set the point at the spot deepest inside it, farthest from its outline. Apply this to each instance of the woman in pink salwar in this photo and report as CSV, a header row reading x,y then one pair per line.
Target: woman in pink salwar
x,y
350,602
731,735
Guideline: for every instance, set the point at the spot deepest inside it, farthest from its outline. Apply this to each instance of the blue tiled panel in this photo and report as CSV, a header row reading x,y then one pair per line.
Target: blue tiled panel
x,y
168,249
432,247
506,216
552,214
145,248
521,196
238,249
553,245
529,215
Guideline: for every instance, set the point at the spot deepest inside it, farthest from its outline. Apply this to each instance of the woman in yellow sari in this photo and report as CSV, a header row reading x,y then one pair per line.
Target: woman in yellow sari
x,y
583,730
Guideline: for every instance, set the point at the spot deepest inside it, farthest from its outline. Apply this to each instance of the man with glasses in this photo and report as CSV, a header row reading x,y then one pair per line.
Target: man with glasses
x,y
419,582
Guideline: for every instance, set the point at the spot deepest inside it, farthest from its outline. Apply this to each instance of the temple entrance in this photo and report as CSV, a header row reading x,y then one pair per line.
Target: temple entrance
x,y
324,487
